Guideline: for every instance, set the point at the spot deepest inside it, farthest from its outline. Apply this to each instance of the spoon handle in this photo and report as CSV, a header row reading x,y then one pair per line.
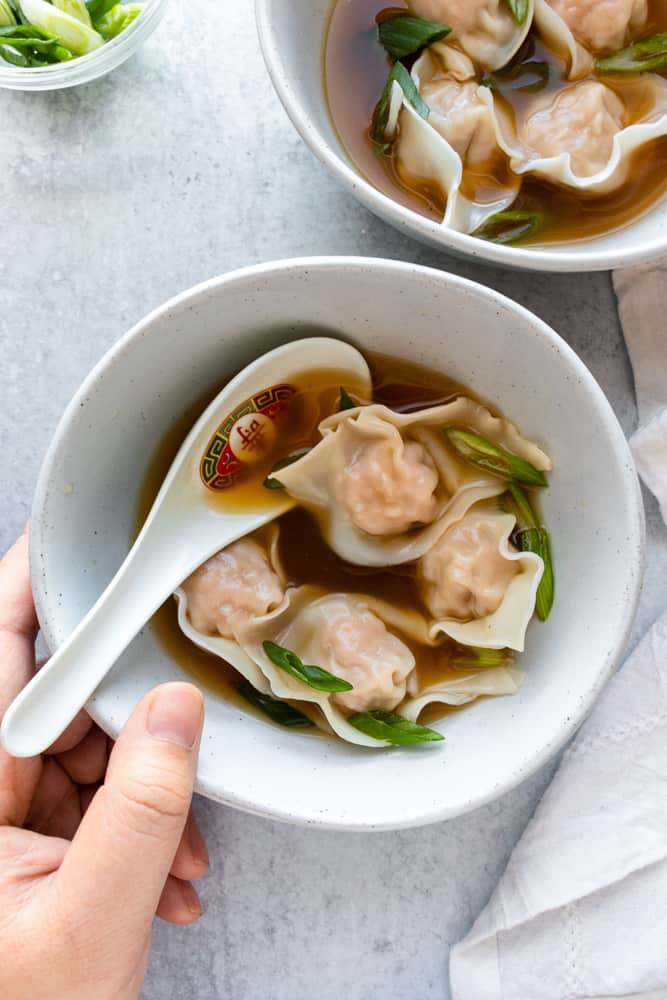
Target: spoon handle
x,y
44,709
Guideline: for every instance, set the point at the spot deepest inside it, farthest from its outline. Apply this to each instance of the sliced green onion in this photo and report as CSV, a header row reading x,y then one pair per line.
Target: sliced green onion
x,y
510,226
470,657
7,17
491,458
526,77
278,711
14,56
404,35
76,9
118,18
345,402
392,728
400,75
533,537
98,8
72,34
308,673
274,484
519,10
641,57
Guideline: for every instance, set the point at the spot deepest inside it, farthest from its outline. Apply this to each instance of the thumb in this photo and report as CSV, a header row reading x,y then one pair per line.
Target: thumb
x,y
120,858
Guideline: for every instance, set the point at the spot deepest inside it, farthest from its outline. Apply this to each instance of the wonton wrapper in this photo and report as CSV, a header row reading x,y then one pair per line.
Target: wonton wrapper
x,y
316,480
425,154
505,627
558,169
489,682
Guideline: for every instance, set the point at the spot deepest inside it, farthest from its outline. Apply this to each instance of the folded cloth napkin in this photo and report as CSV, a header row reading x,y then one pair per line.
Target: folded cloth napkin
x,y
581,910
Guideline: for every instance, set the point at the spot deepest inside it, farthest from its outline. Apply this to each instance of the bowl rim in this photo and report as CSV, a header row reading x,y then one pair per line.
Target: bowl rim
x,y
418,226
636,539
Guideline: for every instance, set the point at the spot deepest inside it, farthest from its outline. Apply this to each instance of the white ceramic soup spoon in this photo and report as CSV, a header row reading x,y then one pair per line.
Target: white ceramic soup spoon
x,y
192,518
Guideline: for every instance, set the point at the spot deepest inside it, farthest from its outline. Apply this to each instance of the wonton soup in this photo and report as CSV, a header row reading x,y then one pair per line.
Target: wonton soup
x,y
402,582
532,121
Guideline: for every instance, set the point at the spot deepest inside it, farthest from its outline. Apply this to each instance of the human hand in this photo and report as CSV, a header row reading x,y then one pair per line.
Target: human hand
x,y
92,845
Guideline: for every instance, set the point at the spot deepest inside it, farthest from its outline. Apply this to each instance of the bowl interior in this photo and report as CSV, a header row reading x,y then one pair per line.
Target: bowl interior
x,y
87,495
292,33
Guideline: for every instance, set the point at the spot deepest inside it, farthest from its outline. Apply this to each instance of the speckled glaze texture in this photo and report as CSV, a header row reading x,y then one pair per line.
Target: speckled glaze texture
x,y
116,198
296,72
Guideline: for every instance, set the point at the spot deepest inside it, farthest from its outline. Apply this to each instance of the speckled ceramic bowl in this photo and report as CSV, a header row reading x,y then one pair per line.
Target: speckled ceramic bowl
x,y
292,35
88,490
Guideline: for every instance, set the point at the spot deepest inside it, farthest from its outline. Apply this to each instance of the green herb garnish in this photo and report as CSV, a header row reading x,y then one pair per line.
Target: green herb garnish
x,y
400,75
519,10
345,402
470,657
641,57
526,77
533,537
510,226
392,728
277,711
274,484
308,673
491,458
404,35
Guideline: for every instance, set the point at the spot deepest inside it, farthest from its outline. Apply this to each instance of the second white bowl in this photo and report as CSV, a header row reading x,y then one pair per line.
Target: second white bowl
x,y
292,35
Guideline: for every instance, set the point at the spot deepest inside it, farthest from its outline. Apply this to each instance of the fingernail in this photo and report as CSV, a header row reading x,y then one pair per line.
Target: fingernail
x,y
176,714
191,899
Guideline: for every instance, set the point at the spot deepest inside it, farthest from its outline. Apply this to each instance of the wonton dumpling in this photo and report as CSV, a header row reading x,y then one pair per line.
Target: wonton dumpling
x,y
465,575
582,120
479,588
459,128
389,486
235,584
602,25
485,29
344,637
319,479
461,118
347,634
579,137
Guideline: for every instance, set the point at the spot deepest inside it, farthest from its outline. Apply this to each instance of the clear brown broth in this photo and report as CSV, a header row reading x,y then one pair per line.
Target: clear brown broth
x,y
398,384
355,72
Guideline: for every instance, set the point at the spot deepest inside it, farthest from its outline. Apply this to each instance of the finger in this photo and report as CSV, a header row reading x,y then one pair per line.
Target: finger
x,y
191,860
125,846
73,735
18,629
87,762
86,796
55,809
179,902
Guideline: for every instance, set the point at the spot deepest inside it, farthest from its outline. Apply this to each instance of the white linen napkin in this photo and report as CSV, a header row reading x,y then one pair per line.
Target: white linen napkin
x,y
581,910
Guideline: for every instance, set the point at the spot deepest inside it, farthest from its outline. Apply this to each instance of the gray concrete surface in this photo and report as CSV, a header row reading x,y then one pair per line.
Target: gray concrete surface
x,y
115,196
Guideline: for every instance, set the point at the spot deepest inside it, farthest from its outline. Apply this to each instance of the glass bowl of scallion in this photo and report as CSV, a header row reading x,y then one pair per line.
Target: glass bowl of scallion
x,y
52,44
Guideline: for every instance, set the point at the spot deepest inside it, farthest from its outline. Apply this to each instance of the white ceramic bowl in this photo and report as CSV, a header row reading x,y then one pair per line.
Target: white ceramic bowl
x,y
83,69
292,35
88,487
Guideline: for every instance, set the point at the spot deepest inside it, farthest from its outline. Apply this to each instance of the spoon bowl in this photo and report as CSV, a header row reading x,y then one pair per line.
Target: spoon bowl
x,y
190,520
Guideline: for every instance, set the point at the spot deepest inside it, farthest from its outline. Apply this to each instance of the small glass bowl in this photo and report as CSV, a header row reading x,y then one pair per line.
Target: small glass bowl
x,y
83,69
